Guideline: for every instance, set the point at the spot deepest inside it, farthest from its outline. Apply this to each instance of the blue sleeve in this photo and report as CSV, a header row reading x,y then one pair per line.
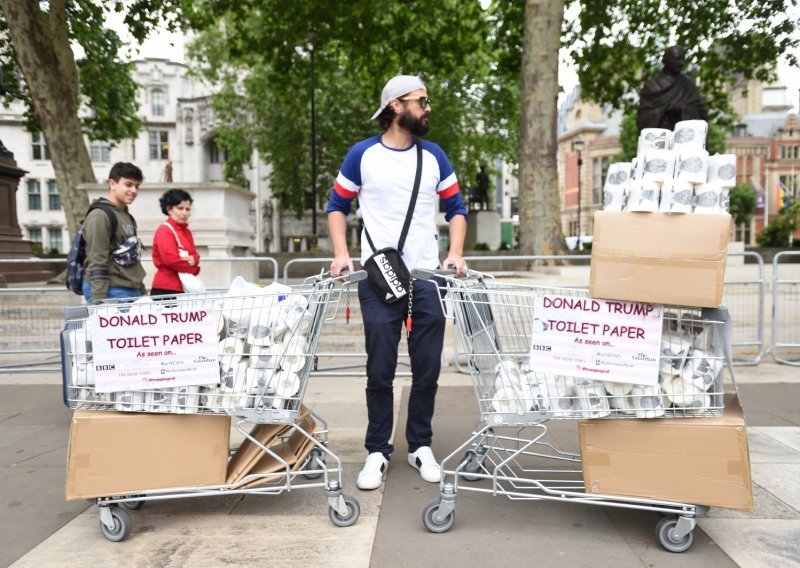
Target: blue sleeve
x,y
453,206
338,203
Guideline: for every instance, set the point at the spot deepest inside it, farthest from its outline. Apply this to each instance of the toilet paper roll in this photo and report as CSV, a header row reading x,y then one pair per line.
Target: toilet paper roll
x,y
617,389
82,374
692,166
683,394
262,326
592,400
129,401
659,165
647,401
285,385
559,394
674,351
236,310
654,138
290,355
622,404
186,399
297,319
298,299
677,196
89,396
690,134
257,381
230,352
618,175
708,198
80,344
260,357
614,198
645,197
507,374
158,400
514,400
233,379
703,370
725,201
722,170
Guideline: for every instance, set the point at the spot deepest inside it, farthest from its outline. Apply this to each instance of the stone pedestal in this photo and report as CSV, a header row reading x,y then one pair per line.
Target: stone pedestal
x,y
12,246
222,224
483,227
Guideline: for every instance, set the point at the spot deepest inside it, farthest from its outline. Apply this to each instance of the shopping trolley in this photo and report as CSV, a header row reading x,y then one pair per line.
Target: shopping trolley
x,y
509,452
263,341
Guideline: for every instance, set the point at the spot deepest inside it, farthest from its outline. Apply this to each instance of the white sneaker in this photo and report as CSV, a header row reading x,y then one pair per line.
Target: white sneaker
x,y
371,475
424,461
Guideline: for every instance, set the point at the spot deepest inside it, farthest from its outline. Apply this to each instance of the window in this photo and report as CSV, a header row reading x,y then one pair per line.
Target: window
x,y
790,152
53,198
213,153
158,101
599,173
40,149
35,235
56,241
100,151
159,145
34,195
743,233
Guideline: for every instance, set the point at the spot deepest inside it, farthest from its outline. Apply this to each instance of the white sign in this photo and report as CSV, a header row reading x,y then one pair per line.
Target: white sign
x,y
156,349
603,340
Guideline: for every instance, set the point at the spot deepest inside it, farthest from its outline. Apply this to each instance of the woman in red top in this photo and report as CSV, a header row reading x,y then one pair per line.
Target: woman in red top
x,y
173,244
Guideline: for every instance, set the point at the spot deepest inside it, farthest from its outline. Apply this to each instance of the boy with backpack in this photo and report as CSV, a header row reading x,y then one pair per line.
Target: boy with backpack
x,y
112,265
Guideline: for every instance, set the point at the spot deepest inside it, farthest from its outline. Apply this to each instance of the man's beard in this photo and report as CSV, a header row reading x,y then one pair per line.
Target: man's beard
x,y
417,126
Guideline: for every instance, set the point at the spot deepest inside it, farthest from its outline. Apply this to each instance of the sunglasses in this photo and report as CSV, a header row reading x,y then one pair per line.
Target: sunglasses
x,y
424,102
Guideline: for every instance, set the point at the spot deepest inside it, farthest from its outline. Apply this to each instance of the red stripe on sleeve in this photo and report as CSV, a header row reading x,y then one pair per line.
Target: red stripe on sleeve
x,y
449,192
342,192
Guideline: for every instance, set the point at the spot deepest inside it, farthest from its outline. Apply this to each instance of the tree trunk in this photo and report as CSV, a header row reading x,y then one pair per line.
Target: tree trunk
x,y
44,55
539,199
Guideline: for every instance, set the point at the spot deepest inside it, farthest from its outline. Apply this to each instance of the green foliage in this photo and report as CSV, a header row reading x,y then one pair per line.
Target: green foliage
x,y
261,55
781,226
743,202
618,44
106,85
480,246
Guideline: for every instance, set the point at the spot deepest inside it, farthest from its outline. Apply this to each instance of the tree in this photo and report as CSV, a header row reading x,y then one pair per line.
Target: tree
x,y
267,56
540,202
618,44
743,203
40,69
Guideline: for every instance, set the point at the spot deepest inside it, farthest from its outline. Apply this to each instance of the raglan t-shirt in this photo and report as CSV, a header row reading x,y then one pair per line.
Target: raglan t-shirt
x,y
383,180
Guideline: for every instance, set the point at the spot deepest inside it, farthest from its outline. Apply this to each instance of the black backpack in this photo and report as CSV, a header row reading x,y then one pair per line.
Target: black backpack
x,y
77,250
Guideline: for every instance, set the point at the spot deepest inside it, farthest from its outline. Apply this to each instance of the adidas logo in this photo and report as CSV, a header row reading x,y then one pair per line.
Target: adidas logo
x,y
389,296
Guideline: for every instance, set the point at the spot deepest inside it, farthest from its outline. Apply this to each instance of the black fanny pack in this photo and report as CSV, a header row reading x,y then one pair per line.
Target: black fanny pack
x,y
388,275
386,270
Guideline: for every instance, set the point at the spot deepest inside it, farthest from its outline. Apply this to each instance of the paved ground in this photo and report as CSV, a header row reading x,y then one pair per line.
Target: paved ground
x,y
39,528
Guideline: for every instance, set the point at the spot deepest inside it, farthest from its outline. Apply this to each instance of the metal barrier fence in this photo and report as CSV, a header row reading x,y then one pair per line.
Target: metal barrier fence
x,y
785,310
31,318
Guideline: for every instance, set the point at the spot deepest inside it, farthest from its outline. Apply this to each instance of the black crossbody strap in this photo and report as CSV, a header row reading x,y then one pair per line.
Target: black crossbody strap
x,y
411,205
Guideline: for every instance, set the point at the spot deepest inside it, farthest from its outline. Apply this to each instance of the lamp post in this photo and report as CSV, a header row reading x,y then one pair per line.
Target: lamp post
x,y
577,146
313,155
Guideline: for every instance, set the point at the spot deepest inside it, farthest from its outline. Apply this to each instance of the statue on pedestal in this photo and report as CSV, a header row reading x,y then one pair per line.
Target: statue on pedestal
x,y
479,200
671,96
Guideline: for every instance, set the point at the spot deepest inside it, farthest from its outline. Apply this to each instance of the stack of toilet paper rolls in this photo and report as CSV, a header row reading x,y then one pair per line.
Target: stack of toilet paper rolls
x,y
689,384
263,357
672,173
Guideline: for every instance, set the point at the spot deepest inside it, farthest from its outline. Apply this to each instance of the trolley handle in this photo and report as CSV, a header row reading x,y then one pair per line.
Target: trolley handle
x,y
427,273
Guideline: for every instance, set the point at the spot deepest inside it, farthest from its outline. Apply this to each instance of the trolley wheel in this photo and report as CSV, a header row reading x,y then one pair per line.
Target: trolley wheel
x,y
353,512
664,531
312,462
434,525
122,525
473,466
133,505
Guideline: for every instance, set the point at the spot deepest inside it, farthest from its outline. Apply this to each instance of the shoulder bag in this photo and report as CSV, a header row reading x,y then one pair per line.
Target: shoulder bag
x,y
191,283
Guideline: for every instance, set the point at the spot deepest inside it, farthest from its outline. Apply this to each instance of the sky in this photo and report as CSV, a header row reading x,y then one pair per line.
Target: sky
x,y
170,45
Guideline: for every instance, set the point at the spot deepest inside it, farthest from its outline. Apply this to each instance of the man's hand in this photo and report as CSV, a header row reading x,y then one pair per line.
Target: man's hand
x,y
457,262
341,263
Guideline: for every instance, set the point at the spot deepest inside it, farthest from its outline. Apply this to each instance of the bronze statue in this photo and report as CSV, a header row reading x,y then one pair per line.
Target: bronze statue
x,y
670,96
480,196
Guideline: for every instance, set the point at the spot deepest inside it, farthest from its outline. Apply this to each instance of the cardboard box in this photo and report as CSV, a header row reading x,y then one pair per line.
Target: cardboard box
x,y
113,453
660,258
699,461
